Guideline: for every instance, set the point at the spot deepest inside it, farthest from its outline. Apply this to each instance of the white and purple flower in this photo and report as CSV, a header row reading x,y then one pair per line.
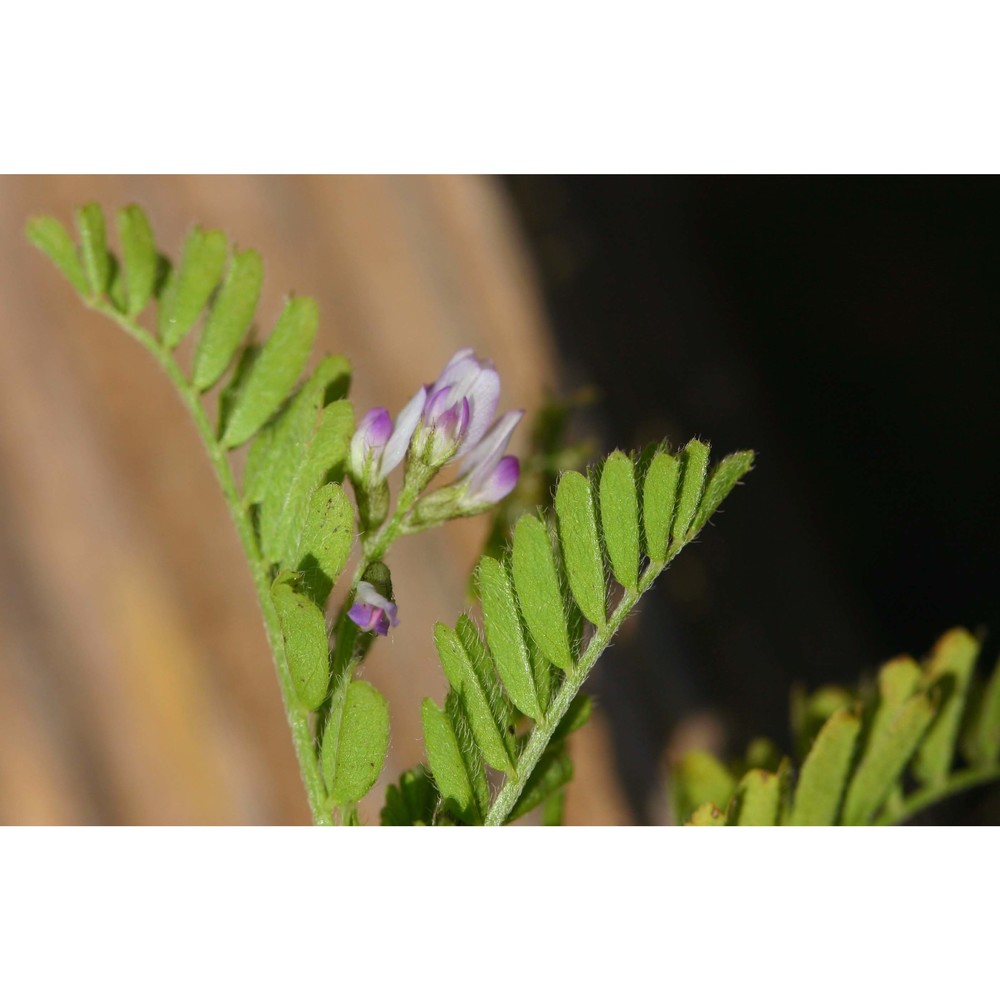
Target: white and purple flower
x,y
451,418
488,474
458,410
372,612
378,445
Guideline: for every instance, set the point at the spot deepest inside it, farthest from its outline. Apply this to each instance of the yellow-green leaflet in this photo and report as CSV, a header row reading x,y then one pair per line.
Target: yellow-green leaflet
x,y
694,463
825,771
304,629
94,248
659,497
230,318
324,542
358,744
274,372
620,518
537,586
50,236
949,670
581,547
189,288
502,623
447,764
475,699
139,259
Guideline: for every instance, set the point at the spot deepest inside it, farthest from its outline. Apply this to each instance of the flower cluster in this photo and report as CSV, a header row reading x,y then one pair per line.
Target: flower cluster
x,y
450,419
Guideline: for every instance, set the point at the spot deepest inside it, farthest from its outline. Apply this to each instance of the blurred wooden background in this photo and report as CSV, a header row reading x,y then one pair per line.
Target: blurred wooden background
x,y
135,680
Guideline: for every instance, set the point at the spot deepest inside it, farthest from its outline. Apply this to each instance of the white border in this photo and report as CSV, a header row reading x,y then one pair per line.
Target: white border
x,y
521,87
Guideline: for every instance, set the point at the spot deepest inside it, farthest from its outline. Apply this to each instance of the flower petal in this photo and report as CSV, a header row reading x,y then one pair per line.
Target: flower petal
x,y
438,402
460,362
483,394
377,426
406,424
367,593
482,459
500,482
363,615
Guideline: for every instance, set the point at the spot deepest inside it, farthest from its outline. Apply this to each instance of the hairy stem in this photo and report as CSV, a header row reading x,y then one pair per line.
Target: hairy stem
x,y
926,797
376,546
545,728
298,719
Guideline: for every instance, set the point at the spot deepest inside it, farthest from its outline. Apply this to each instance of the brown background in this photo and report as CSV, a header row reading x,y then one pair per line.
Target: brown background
x,y
135,681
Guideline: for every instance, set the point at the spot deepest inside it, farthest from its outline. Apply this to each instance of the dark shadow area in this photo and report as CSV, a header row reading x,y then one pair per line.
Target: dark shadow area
x,y
848,329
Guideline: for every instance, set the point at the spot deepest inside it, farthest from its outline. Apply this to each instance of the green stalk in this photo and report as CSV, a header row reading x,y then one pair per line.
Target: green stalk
x,y
545,728
926,797
298,718
375,547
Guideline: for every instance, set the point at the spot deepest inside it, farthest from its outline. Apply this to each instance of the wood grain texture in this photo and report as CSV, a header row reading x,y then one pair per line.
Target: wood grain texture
x,y
135,680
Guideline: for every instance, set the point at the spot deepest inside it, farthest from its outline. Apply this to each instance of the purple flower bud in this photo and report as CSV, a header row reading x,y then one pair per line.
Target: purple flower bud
x,y
494,487
377,447
372,612
490,475
369,441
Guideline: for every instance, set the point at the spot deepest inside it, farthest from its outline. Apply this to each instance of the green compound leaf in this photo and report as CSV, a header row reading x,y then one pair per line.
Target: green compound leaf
x,y
581,547
230,318
475,699
97,263
659,497
982,742
275,371
620,518
447,763
825,771
699,778
361,741
888,750
694,463
725,477
538,591
189,288
707,814
949,670
757,799
324,542
304,629
553,771
50,236
502,623
139,258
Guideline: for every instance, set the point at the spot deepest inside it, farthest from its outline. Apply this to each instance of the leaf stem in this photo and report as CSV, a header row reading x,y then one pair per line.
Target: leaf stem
x,y
375,547
926,797
545,728
298,719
